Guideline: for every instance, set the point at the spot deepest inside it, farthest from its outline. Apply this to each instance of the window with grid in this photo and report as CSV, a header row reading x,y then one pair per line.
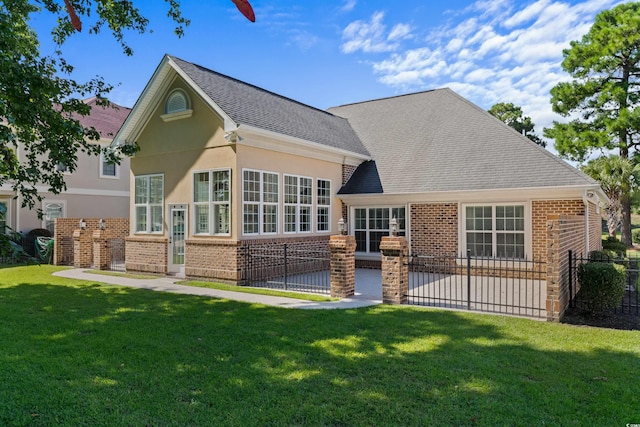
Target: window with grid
x,y
4,215
148,203
107,169
212,201
371,224
495,230
260,197
323,205
298,204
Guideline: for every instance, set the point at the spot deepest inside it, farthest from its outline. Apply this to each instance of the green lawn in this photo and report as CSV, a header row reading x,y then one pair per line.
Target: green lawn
x,y
81,353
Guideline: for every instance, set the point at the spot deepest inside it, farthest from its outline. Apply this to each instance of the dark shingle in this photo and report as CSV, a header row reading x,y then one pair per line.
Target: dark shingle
x,y
365,180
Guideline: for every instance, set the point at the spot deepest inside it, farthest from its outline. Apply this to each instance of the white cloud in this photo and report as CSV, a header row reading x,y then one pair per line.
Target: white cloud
x,y
496,51
369,37
348,5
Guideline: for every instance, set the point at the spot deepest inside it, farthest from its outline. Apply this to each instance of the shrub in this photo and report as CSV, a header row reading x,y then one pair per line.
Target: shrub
x,y
635,235
601,286
602,256
614,245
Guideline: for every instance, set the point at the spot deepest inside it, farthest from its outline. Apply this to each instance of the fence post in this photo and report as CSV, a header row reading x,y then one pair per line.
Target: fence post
x,y
343,265
395,270
82,248
469,279
285,266
570,278
101,250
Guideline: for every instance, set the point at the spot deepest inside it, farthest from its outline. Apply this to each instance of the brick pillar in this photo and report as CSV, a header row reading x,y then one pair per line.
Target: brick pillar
x,y
101,250
395,270
553,268
343,266
82,248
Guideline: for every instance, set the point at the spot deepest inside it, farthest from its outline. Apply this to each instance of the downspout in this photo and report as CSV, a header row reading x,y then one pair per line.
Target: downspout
x,y
587,195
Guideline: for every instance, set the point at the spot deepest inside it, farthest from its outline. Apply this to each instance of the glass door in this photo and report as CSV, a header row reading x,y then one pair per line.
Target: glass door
x,y
177,236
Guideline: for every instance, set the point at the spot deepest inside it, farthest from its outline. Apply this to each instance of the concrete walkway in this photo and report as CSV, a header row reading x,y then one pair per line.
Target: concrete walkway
x,y
368,290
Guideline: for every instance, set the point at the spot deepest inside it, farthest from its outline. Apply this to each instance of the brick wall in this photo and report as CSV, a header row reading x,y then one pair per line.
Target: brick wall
x,y
63,235
434,228
213,259
540,210
146,254
564,233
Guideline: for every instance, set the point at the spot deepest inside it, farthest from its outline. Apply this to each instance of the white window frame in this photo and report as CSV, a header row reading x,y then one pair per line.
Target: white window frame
x,y
367,230
527,227
45,220
149,206
298,205
261,203
102,164
323,206
184,113
211,204
7,216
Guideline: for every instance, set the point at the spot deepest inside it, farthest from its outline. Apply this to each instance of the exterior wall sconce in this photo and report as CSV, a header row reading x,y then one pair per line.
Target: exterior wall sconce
x,y
342,227
83,224
394,227
102,225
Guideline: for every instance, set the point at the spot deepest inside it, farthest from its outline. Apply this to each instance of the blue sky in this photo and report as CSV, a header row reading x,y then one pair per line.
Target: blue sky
x,y
329,53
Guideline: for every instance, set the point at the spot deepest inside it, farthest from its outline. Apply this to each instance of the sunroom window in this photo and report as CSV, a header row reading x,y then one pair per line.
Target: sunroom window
x,y
211,199
148,201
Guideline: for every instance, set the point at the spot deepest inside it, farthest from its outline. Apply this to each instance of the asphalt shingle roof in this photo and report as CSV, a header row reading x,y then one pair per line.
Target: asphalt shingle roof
x,y
106,120
438,141
251,105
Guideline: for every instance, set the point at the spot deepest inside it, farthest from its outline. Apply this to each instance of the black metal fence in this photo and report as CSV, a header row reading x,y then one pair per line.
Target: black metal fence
x,y
630,303
287,267
508,286
117,254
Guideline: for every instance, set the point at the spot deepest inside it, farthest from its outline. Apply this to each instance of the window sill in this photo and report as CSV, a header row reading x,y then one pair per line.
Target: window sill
x,y
170,117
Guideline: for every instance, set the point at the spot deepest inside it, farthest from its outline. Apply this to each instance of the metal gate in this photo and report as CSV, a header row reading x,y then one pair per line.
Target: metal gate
x,y
507,286
116,248
287,267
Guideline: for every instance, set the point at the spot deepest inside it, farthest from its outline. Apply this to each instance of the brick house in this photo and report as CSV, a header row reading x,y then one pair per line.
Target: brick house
x,y
224,164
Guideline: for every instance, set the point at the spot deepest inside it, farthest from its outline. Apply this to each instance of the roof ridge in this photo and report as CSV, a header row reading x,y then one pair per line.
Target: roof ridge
x,y
203,68
389,97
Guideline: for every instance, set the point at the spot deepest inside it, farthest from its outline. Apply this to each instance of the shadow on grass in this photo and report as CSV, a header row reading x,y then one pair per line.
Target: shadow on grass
x,y
103,355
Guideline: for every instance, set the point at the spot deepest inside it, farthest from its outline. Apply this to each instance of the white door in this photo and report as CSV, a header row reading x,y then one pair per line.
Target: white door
x,y
177,235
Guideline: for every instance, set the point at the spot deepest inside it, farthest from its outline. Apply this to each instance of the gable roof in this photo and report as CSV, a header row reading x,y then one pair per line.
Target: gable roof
x,y
437,141
106,120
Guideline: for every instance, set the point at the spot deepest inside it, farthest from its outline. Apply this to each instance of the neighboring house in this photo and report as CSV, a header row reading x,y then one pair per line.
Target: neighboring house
x,y
95,189
224,164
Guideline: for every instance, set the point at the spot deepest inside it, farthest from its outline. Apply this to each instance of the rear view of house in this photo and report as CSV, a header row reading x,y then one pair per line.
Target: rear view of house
x,y
224,165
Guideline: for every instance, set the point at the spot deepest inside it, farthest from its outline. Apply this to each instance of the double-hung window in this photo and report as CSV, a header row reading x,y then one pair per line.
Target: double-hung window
x,y
323,207
108,169
259,202
298,204
148,201
212,201
495,230
371,224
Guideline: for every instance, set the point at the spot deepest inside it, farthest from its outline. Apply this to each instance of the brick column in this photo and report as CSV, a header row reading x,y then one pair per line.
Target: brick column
x,y
553,268
82,248
395,270
101,250
343,266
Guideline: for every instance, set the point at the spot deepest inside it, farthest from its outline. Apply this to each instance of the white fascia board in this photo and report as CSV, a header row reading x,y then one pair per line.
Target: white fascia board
x,y
269,140
471,196
85,192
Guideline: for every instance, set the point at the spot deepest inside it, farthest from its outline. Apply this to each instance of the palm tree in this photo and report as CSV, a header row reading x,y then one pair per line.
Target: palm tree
x,y
617,177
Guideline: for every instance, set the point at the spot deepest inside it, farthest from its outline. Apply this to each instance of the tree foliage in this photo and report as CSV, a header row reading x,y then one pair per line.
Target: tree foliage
x,y
602,98
513,116
616,176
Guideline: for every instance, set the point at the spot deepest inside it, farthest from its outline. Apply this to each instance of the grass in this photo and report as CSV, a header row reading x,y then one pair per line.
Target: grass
x,y
126,275
81,353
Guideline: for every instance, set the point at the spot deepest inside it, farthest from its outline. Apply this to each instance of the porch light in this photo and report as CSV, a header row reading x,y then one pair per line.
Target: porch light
x,y
394,227
102,225
83,224
342,227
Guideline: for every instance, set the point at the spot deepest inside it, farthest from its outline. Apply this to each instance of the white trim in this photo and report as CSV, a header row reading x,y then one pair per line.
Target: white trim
x,y
260,138
7,217
179,115
528,225
260,203
352,225
329,206
148,205
101,167
210,202
298,205
87,192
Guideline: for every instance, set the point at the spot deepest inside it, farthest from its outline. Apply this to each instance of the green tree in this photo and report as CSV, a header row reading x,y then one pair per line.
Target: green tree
x,y
513,116
616,176
604,94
